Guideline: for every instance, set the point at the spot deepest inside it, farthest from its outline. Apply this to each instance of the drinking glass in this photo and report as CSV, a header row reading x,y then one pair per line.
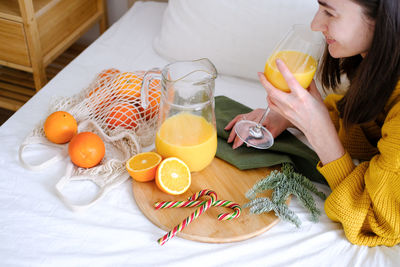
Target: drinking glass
x,y
300,50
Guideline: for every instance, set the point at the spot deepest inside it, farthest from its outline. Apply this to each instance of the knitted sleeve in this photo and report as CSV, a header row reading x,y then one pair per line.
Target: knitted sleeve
x,y
365,199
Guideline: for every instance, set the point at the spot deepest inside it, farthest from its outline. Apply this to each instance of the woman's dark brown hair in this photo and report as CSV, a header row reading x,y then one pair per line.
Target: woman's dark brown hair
x,y
374,77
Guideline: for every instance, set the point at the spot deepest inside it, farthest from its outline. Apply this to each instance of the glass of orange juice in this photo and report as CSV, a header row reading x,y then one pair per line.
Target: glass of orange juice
x,y
186,123
300,50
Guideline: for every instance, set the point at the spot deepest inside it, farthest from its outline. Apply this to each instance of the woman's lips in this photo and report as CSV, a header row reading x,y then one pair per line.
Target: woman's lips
x,y
330,41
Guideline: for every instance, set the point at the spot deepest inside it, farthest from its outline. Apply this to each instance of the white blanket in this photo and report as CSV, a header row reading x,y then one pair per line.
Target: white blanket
x,y
37,229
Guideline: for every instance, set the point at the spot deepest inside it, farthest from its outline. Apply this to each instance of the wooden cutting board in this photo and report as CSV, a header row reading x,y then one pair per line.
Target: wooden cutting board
x,y
230,184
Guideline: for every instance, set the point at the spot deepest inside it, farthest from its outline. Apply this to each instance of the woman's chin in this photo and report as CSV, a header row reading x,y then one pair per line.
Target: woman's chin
x,y
333,52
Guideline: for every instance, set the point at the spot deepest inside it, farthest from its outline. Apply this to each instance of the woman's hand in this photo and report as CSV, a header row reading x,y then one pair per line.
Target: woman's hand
x,y
306,111
274,122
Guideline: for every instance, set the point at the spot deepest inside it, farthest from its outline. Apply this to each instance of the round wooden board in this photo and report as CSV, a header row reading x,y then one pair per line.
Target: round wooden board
x,y
230,184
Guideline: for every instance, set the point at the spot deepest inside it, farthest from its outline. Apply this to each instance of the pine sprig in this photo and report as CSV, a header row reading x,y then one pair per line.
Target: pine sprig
x,y
284,183
273,181
281,192
305,182
263,205
307,201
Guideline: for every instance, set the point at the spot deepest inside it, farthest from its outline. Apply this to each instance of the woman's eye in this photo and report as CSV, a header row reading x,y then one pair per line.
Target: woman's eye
x,y
328,13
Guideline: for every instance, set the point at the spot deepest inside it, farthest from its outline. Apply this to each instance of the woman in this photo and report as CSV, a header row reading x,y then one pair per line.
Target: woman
x,y
363,41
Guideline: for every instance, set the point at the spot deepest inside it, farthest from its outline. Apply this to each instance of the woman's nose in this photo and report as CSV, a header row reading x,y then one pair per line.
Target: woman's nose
x,y
317,23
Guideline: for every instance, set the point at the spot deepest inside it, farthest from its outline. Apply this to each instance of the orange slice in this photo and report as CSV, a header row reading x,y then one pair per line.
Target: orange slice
x,y
142,167
173,176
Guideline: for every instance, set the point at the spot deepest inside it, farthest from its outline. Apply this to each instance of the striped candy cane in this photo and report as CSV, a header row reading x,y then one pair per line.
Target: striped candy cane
x,y
192,202
194,215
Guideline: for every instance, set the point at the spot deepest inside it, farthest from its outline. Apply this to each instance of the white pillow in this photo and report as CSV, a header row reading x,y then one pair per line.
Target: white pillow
x,y
236,35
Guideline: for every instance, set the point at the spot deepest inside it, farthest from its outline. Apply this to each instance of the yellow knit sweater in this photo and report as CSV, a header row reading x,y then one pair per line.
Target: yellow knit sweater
x,y
365,199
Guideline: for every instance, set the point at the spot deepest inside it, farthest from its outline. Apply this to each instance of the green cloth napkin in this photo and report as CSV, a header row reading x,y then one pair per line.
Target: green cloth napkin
x,y
286,148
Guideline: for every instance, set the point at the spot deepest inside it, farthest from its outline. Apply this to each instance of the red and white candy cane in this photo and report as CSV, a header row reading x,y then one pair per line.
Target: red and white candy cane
x,y
193,202
194,215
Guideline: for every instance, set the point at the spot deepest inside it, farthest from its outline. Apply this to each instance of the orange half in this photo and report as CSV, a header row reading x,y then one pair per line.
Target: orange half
x,y
173,176
143,166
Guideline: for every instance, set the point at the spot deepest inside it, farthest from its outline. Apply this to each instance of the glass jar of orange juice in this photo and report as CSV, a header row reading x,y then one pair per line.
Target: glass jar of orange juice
x,y
186,124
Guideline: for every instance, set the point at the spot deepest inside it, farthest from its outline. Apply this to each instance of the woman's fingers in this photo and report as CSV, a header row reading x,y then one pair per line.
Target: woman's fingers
x,y
265,83
272,92
237,143
288,76
230,126
232,122
254,115
313,90
232,136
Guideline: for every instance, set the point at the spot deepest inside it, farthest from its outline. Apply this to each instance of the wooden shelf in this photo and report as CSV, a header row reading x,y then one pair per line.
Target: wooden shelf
x,y
17,87
40,5
33,33
10,8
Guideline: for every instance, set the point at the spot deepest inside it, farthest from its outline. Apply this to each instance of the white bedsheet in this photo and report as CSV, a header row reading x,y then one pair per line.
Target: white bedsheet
x,y
37,229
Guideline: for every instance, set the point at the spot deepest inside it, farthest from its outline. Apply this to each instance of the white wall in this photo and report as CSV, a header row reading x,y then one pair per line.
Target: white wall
x,y
115,9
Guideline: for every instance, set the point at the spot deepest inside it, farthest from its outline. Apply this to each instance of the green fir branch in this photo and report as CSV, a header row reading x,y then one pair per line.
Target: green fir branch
x,y
286,214
284,183
282,192
264,205
306,183
260,205
307,201
270,182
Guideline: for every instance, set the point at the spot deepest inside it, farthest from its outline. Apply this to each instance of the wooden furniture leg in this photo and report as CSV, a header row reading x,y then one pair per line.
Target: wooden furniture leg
x,y
32,36
103,23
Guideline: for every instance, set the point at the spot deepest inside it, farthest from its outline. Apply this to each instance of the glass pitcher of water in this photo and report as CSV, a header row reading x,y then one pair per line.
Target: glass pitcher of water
x,y
186,125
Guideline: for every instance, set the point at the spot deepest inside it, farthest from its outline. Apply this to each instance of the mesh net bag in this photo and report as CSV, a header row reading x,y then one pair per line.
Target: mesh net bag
x,y
113,101
110,107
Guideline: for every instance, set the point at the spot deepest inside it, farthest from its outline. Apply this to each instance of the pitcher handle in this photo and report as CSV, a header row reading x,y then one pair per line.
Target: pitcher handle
x,y
144,91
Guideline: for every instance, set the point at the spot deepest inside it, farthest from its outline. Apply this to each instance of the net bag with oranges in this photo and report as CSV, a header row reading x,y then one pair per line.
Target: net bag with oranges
x,y
110,108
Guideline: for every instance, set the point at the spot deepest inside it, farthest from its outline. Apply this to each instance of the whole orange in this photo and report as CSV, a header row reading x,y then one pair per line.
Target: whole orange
x,y
103,78
60,127
102,95
154,99
123,115
86,149
127,85
107,74
100,99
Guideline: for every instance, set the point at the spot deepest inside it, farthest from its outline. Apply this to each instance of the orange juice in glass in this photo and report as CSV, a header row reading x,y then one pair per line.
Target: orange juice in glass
x,y
189,137
301,65
300,50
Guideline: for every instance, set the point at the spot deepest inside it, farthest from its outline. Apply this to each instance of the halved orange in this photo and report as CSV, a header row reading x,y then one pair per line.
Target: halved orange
x,y
173,176
142,167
